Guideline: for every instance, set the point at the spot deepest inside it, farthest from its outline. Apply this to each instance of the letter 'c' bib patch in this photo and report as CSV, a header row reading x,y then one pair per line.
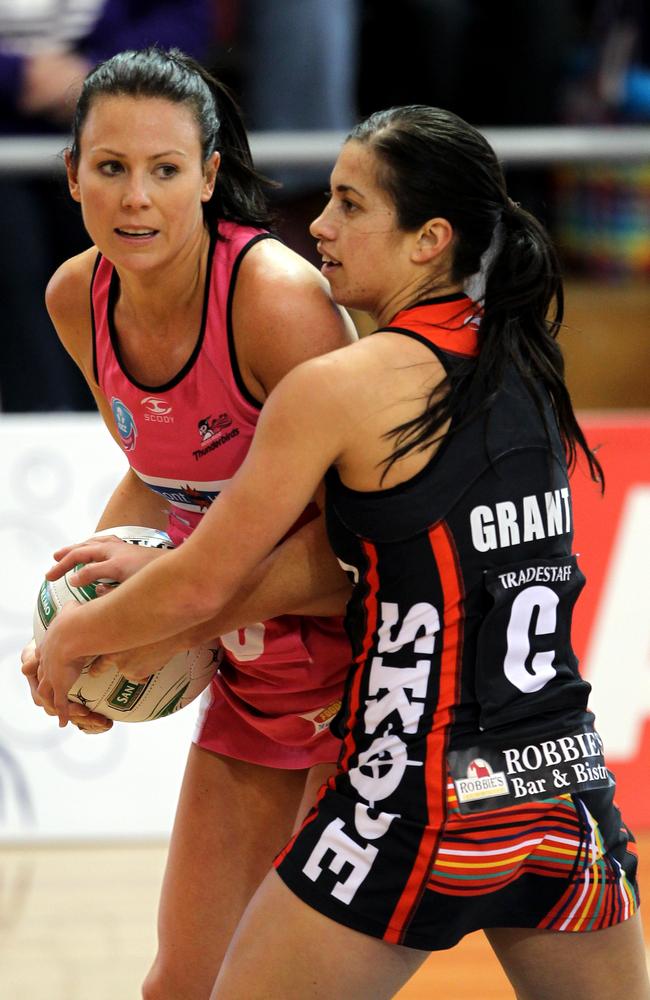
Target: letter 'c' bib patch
x,y
525,663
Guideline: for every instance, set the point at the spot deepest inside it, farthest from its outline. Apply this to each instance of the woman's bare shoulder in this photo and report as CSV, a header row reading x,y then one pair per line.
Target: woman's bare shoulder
x,y
382,378
283,313
277,278
67,298
272,260
67,292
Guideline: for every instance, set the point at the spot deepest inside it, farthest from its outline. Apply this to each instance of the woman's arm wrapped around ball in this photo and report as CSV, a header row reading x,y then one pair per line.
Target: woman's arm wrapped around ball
x,y
298,437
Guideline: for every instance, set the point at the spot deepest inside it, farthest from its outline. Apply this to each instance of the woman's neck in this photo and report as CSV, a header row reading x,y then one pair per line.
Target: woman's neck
x,y
154,299
410,296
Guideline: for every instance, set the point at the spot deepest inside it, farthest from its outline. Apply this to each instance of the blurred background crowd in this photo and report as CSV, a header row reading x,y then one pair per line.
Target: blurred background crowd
x,y
307,65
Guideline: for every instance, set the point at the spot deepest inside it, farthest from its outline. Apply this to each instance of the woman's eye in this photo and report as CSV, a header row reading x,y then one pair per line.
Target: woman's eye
x,y
344,203
110,167
167,170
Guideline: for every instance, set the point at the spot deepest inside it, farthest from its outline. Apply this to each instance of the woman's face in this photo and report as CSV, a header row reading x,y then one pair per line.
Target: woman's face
x,y
141,180
366,256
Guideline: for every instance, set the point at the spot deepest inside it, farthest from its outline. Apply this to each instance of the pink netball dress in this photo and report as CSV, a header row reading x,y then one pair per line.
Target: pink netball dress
x,y
280,682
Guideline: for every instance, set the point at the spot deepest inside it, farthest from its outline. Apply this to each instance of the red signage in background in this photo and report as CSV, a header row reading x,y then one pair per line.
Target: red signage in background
x,y
612,618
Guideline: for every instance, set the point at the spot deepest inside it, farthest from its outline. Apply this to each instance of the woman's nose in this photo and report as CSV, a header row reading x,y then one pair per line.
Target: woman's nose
x,y
321,226
136,194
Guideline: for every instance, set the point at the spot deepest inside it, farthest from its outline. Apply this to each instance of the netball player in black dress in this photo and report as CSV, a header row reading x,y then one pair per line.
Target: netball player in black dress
x,y
472,789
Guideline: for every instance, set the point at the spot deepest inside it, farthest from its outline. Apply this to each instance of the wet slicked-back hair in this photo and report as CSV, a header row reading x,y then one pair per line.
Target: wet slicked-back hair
x,y
433,164
240,191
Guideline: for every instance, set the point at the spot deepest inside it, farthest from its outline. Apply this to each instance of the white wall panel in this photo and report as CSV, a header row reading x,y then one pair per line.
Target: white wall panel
x,y
57,472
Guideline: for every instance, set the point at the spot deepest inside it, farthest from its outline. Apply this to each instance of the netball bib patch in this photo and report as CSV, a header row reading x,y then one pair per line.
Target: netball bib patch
x,y
490,776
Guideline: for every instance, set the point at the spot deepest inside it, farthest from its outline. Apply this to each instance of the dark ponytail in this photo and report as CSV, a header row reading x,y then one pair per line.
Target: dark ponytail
x,y
433,164
523,310
240,193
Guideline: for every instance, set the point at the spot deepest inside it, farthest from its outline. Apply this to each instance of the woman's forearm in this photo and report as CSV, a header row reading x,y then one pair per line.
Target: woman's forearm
x,y
300,577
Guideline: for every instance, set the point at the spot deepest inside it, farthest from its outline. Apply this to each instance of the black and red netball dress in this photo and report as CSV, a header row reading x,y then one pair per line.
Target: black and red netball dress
x,y
472,790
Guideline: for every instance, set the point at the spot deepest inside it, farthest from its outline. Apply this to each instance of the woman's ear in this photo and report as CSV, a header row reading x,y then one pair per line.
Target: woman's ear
x,y
71,171
210,171
433,238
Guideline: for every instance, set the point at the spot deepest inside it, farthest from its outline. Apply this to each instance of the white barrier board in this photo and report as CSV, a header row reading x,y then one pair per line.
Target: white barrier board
x,y
57,473
59,470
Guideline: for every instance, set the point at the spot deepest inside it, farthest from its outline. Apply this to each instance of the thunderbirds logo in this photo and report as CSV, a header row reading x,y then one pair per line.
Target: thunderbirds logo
x,y
210,426
211,431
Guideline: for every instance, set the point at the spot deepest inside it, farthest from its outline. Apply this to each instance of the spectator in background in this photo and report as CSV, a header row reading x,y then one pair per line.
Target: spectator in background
x,y
611,63
46,49
305,65
300,73
603,208
450,53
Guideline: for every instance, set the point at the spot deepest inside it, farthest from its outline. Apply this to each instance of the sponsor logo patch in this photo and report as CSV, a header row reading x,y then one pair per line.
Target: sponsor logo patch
x,y
126,694
209,426
527,771
125,424
322,717
481,782
46,608
157,410
213,433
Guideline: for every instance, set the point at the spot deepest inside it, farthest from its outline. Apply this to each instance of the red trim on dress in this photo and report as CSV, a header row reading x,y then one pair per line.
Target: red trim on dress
x,y
446,558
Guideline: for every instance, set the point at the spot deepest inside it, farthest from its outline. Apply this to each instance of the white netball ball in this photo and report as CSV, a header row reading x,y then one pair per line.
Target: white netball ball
x,y
171,688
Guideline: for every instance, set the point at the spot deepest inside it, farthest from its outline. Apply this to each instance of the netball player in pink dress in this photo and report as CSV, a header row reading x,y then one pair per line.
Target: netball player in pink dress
x,y
183,316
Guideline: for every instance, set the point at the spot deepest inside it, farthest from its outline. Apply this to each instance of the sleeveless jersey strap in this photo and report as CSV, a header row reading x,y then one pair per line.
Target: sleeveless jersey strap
x,y
99,286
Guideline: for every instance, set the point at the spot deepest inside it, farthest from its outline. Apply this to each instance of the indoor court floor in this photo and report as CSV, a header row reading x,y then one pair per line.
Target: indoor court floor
x,y
77,922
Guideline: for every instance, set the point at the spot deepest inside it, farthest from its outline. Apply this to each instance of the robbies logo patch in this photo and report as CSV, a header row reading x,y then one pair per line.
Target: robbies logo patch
x,y
481,782
125,424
